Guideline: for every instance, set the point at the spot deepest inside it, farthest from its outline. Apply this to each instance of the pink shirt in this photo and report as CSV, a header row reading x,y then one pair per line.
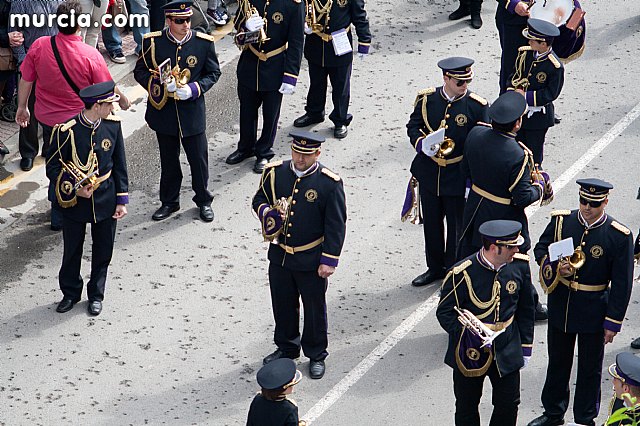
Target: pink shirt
x,y
56,102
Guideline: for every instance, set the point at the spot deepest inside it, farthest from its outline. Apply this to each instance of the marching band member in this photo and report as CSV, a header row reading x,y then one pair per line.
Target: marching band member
x,y
491,290
626,390
539,77
87,163
456,109
326,22
301,205
270,33
587,300
176,107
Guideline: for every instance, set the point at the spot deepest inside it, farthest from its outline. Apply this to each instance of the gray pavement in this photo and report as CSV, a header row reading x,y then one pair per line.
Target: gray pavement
x,y
187,315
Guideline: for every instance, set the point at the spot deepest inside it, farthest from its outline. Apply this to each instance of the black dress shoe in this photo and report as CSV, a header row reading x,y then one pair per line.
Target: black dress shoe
x,y
636,343
546,421
459,13
307,120
427,278
26,164
165,211
476,21
95,307
3,149
340,132
259,165
206,213
237,157
277,354
65,305
316,369
542,312
557,119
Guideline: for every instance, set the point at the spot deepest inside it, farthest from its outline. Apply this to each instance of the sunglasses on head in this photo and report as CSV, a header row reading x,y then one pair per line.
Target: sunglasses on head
x,y
594,204
461,83
181,21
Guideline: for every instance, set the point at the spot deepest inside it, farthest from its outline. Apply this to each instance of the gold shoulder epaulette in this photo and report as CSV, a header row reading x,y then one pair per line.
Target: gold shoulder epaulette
x,y
331,174
112,117
273,164
556,63
524,48
560,213
461,267
620,227
478,98
153,34
521,256
69,124
205,36
427,91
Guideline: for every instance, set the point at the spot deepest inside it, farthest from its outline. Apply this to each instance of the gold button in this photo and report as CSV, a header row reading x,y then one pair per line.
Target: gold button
x,y
290,225
534,65
292,213
179,47
446,126
447,116
295,191
293,202
583,244
449,106
288,235
298,180
586,232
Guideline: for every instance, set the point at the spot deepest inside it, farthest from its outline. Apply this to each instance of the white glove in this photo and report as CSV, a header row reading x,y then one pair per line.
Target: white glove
x,y
183,93
526,361
171,85
307,29
287,89
254,23
361,56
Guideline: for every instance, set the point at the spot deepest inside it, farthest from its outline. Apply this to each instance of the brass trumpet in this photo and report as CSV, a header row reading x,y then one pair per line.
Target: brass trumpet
x,y
81,178
311,19
446,147
477,327
576,260
182,76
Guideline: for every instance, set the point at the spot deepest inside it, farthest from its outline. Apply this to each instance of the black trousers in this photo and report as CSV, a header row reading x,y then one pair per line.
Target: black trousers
x,y
28,143
505,397
250,102
340,78
511,39
534,140
103,235
287,288
435,209
196,149
555,394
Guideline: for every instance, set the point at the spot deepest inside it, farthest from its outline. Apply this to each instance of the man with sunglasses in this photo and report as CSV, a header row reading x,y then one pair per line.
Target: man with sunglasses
x,y
441,186
587,300
176,107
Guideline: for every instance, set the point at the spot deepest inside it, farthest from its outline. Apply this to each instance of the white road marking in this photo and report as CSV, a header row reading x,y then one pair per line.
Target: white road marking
x,y
423,310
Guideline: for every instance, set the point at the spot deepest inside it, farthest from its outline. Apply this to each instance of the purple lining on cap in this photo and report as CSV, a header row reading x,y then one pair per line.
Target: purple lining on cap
x,y
626,378
289,80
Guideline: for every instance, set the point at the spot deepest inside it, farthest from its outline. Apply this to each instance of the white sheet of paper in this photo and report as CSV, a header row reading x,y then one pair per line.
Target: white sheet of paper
x,y
341,43
560,249
431,143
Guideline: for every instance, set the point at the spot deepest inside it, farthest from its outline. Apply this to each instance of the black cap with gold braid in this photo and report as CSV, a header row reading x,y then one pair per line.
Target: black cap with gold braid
x,y
178,9
305,142
594,189
457,67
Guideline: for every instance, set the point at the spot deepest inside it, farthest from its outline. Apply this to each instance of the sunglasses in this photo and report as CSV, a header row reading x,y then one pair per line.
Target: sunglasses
x,y
181,21
461,83
593,204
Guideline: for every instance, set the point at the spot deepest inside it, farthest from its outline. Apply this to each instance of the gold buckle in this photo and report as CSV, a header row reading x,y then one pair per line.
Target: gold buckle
x,y
288,249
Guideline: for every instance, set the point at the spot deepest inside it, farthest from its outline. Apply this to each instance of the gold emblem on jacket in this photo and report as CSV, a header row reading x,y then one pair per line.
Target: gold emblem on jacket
x,y
511,286
596,251
311,195
192,61
541,77
277,18
461,120
473,354
547,272
106,144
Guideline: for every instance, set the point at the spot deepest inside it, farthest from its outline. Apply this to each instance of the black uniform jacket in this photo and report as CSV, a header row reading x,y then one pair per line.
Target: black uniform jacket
x,y
442,177
165,114
272,413
473,278
541,78
498,167
72,142
285,26
318,47
317,212
505,12
608,247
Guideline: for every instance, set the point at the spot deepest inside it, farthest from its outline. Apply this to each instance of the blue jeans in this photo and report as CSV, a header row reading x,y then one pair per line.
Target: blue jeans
x,y
111,37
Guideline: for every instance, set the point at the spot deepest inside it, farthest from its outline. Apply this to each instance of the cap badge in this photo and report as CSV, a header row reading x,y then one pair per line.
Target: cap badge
x,y
592,189
302,142
183,6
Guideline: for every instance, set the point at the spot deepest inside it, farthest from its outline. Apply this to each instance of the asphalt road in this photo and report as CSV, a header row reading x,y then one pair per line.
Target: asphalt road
x,y
187,315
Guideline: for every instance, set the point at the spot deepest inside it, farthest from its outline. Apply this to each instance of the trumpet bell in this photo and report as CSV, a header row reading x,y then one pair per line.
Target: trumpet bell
x,y
577,259
446,147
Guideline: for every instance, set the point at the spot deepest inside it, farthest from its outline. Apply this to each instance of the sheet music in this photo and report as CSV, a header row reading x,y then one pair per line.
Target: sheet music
x,y
560,249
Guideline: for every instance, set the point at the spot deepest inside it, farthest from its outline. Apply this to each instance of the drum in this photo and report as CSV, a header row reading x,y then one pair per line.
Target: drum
x,y
568,16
